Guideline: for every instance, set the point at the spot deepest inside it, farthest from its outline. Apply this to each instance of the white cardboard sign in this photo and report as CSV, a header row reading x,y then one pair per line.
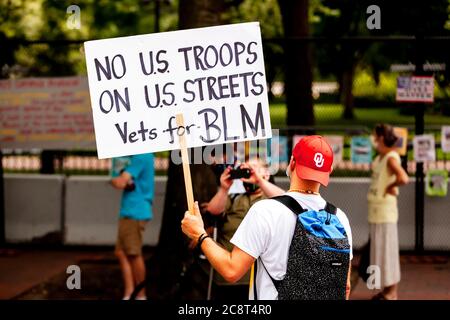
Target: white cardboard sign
x,y
415,89
445,139
424,148
215,76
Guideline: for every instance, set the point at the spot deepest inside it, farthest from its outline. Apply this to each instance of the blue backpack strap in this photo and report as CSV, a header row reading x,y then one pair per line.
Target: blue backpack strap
x,y
291,203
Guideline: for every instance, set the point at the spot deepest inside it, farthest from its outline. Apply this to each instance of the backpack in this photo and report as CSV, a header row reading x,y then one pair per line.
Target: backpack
x,y
319,256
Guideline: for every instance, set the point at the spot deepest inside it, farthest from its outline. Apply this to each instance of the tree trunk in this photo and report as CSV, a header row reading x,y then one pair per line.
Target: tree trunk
x,y
172,252
200,13
298,63
348,76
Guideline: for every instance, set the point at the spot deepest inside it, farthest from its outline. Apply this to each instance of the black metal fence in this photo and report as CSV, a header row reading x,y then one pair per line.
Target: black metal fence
x,y
353,89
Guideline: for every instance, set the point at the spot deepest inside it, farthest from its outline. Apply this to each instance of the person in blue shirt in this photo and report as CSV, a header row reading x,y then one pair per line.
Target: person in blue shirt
x,y
137,182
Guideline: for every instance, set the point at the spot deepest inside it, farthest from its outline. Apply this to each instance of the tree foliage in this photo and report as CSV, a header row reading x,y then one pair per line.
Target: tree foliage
x,y
46,20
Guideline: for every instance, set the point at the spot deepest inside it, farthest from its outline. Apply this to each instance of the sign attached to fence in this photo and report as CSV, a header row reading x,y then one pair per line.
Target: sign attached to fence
x,y
51,113
445,139
361,150
424,148
436,183
337,144
402,142
415,89
214,76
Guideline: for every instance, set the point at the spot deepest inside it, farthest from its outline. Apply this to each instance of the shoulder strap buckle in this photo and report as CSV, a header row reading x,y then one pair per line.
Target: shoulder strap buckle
x,y
330,208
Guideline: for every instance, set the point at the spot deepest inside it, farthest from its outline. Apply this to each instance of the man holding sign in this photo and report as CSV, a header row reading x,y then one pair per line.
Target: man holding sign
x,y
178,90
270,233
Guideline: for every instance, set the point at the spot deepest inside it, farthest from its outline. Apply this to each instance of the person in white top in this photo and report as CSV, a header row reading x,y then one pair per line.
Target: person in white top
x,y
387,176
267,230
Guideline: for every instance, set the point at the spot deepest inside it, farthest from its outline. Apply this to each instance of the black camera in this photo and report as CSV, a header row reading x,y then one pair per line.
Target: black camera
x,y
240,173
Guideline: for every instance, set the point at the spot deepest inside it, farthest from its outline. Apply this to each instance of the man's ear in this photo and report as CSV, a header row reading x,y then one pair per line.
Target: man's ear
x,y
292,163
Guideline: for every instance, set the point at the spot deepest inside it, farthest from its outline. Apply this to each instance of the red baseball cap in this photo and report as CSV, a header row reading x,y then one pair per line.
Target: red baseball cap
x,y
313,159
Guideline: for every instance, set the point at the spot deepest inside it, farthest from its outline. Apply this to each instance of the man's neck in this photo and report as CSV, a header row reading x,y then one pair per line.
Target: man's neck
x,y
305,185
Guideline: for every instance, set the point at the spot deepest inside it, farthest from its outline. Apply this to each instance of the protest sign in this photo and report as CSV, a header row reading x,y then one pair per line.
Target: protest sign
x,y
214,76
401,145
415,89
445,139
50,113
424,148
361,149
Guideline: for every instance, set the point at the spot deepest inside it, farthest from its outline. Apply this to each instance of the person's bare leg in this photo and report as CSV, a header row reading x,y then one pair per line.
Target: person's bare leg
x,y
127,273
391,292
138,267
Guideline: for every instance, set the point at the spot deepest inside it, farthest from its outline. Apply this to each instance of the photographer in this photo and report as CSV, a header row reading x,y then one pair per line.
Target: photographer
x,y
233,208
137,182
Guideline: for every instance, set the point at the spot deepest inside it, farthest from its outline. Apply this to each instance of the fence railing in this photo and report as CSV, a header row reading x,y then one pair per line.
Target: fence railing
x,y
86,162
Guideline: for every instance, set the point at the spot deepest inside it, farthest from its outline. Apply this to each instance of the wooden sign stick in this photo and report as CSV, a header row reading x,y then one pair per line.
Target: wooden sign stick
x,y
185,160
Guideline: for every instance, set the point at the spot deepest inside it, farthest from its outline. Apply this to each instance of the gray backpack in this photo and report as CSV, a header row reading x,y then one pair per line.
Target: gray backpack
x,y
319,256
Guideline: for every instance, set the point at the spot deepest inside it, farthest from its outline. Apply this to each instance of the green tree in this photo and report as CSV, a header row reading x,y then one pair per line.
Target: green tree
x,y
45,20
267,13
398,18
298,62
172,246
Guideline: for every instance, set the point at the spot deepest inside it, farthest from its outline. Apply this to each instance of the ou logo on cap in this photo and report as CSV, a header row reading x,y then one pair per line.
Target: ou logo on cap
x,y
319,160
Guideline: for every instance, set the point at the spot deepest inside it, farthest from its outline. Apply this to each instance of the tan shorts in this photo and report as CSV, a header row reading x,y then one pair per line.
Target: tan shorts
x,y
129,236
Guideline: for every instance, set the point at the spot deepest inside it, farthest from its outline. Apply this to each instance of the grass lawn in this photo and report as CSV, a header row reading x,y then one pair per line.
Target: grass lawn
x,y
331,114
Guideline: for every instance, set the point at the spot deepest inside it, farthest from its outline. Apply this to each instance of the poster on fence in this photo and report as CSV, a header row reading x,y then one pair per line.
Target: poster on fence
x,y
424,148
445,139
401,145
337,144
415,89
436,183
214,76
50,113
361,150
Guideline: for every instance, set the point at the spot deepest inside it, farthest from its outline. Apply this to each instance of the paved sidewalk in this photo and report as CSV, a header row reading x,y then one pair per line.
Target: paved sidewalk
x,y
423,277
22,269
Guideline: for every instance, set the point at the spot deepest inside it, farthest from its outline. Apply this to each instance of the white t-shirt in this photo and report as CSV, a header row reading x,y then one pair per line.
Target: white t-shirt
x,y
266,232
